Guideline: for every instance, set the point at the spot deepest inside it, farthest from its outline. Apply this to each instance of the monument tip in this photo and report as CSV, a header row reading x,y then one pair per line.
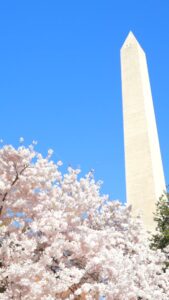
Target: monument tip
x,y
130,40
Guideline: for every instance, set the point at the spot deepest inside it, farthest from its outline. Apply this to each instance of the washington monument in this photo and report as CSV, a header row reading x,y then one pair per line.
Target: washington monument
x,y
143,165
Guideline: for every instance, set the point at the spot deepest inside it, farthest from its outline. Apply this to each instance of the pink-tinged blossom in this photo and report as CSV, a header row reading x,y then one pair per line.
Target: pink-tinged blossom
x,y
60,239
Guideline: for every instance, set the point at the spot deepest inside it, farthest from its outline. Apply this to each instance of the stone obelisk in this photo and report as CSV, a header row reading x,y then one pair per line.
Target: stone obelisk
x,y
143,165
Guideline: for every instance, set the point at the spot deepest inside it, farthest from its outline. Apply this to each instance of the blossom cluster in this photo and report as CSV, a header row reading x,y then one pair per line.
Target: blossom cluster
x,y
61,239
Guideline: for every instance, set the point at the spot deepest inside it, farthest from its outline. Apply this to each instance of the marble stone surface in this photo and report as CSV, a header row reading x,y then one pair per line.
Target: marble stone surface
x,y
143,165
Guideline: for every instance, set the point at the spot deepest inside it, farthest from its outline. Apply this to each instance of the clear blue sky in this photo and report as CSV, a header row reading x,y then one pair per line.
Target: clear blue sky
x,y
60,78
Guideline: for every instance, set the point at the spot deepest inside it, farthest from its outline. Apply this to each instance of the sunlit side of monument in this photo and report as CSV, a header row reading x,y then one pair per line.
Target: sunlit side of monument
x,y
143,165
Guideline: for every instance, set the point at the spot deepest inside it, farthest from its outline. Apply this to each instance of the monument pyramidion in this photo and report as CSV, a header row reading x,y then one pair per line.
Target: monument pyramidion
x,y
143,165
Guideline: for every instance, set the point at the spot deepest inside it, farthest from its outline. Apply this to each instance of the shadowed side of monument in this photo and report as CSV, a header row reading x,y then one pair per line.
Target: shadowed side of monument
x,y
143,165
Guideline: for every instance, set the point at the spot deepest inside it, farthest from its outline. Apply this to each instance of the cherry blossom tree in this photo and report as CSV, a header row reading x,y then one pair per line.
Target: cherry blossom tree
x,y
61,239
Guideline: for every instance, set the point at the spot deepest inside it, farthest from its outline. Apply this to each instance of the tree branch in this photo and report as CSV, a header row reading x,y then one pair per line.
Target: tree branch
x,y
12,184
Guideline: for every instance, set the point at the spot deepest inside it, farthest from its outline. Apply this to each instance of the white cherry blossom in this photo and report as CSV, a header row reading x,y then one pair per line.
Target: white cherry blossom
x,y
61,239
